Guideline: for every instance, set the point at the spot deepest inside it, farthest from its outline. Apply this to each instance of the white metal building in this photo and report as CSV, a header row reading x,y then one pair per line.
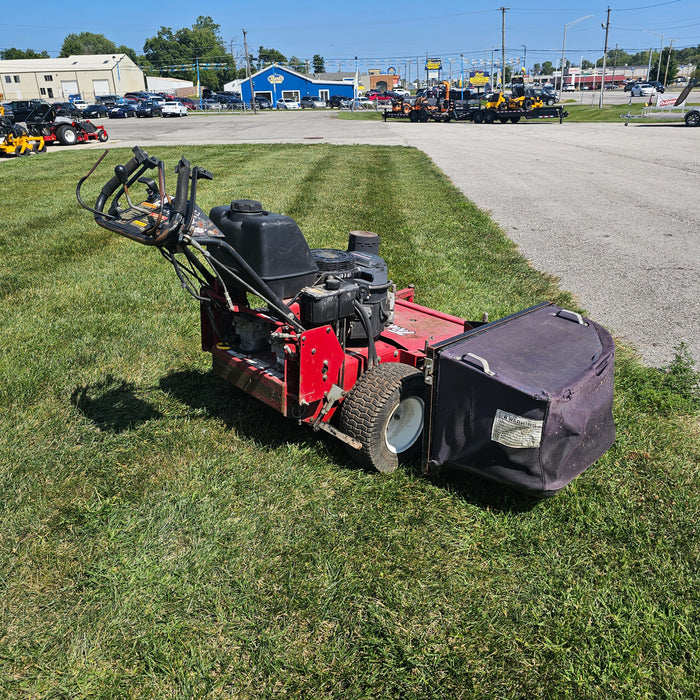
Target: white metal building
x,y
56,78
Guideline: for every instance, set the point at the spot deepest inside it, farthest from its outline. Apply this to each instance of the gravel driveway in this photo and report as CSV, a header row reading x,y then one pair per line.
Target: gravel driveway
x,y
613,211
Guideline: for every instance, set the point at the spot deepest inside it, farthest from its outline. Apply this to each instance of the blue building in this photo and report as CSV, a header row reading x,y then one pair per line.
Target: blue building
x,y
277,82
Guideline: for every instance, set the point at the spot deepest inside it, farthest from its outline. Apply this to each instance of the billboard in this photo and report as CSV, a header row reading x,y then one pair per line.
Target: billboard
x,y
478,78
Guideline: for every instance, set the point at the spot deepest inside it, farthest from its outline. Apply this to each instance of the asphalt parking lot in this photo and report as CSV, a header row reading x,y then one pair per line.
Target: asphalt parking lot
x,y
612,211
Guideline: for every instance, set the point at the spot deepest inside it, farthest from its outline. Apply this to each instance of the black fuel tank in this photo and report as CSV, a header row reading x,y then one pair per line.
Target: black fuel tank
x,y
272,244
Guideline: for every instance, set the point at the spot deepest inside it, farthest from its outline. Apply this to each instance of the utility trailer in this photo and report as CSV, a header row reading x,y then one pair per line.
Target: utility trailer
x,y
524,400
675,111
490,116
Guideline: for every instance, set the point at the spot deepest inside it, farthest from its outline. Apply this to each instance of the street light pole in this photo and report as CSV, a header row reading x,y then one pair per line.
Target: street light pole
x,y
605,26
563,47
661,50
524,55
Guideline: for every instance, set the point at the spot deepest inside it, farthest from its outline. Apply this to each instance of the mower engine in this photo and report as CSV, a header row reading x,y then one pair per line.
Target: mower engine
x,y
323,336
347,289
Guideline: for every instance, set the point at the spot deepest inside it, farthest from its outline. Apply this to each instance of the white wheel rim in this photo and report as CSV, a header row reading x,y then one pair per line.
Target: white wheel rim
x,y
405,425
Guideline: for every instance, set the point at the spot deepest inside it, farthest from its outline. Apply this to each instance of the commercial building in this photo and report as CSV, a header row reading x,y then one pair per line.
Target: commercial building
x,y
57,78
277,82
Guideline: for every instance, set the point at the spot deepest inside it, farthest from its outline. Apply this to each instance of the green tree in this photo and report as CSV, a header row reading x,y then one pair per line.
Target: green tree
x,y
266,57
659,67
537,68
179,54
86,43
129,52
17,54
297,64
586,64
547,68
318,63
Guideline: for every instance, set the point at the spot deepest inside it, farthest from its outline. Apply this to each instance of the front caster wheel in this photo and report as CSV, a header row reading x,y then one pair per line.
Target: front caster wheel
x,y
385,411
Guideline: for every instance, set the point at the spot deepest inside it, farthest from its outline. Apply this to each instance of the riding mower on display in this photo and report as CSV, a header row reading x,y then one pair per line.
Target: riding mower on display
x,y
15,140
323,336
52,126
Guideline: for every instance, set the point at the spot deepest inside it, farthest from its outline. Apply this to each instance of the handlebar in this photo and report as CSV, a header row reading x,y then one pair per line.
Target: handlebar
x,y
125,172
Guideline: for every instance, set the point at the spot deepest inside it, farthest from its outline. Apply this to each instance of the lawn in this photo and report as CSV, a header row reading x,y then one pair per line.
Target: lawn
x,y
165,536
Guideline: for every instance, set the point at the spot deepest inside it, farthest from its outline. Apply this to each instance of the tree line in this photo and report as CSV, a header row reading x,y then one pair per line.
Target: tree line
x,y
618,58
190,53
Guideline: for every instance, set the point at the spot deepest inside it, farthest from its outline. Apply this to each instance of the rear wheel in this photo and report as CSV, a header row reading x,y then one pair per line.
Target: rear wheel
x,y
514,120
102,136
489,116
385,411
424,116
67,135
692,119
503,120
479,117
413,116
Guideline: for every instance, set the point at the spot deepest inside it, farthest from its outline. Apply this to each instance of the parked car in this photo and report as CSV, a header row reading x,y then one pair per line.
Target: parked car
x,y
149,108
570,87
630,84
106,99
68,109
658,85
138,95
95,111
235,103
374,95
401,91
642,90
287,103
7,111
541,94
122,111
312,102
213,105
261,102
23,108
174,108
364,103
336,101
190,104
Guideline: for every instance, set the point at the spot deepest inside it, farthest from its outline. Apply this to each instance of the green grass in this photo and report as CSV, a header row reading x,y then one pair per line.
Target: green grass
x,y
163,535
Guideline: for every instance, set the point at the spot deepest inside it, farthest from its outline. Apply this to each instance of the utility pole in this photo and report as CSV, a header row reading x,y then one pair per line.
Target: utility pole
x,y
668,61
605,26
250,75
503,46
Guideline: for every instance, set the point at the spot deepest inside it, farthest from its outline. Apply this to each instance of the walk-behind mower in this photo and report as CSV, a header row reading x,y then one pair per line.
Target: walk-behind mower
x,y
323,337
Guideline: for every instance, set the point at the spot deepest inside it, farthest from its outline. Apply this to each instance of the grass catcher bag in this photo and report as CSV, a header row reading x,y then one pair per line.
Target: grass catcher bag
x,y
525,400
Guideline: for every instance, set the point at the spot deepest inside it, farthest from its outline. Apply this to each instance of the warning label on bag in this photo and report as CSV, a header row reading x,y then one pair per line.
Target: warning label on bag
x,y
515,431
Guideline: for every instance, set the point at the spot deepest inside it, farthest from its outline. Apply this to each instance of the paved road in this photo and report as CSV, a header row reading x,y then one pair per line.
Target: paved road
x,y
613,211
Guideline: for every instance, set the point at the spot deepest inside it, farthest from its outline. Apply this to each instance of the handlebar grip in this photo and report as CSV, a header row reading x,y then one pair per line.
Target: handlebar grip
x,y
183,169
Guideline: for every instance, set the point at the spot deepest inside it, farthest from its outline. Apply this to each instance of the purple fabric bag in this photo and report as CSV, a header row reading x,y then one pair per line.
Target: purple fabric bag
x,y
526,400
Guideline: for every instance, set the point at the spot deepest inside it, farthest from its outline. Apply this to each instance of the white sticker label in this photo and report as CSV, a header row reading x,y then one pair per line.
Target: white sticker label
x,y
515,431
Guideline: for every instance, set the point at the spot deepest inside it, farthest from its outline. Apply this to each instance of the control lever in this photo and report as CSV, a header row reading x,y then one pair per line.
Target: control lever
x,y
153,192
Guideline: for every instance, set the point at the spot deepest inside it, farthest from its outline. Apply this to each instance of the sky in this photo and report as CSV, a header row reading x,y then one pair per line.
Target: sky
x,y
381,35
